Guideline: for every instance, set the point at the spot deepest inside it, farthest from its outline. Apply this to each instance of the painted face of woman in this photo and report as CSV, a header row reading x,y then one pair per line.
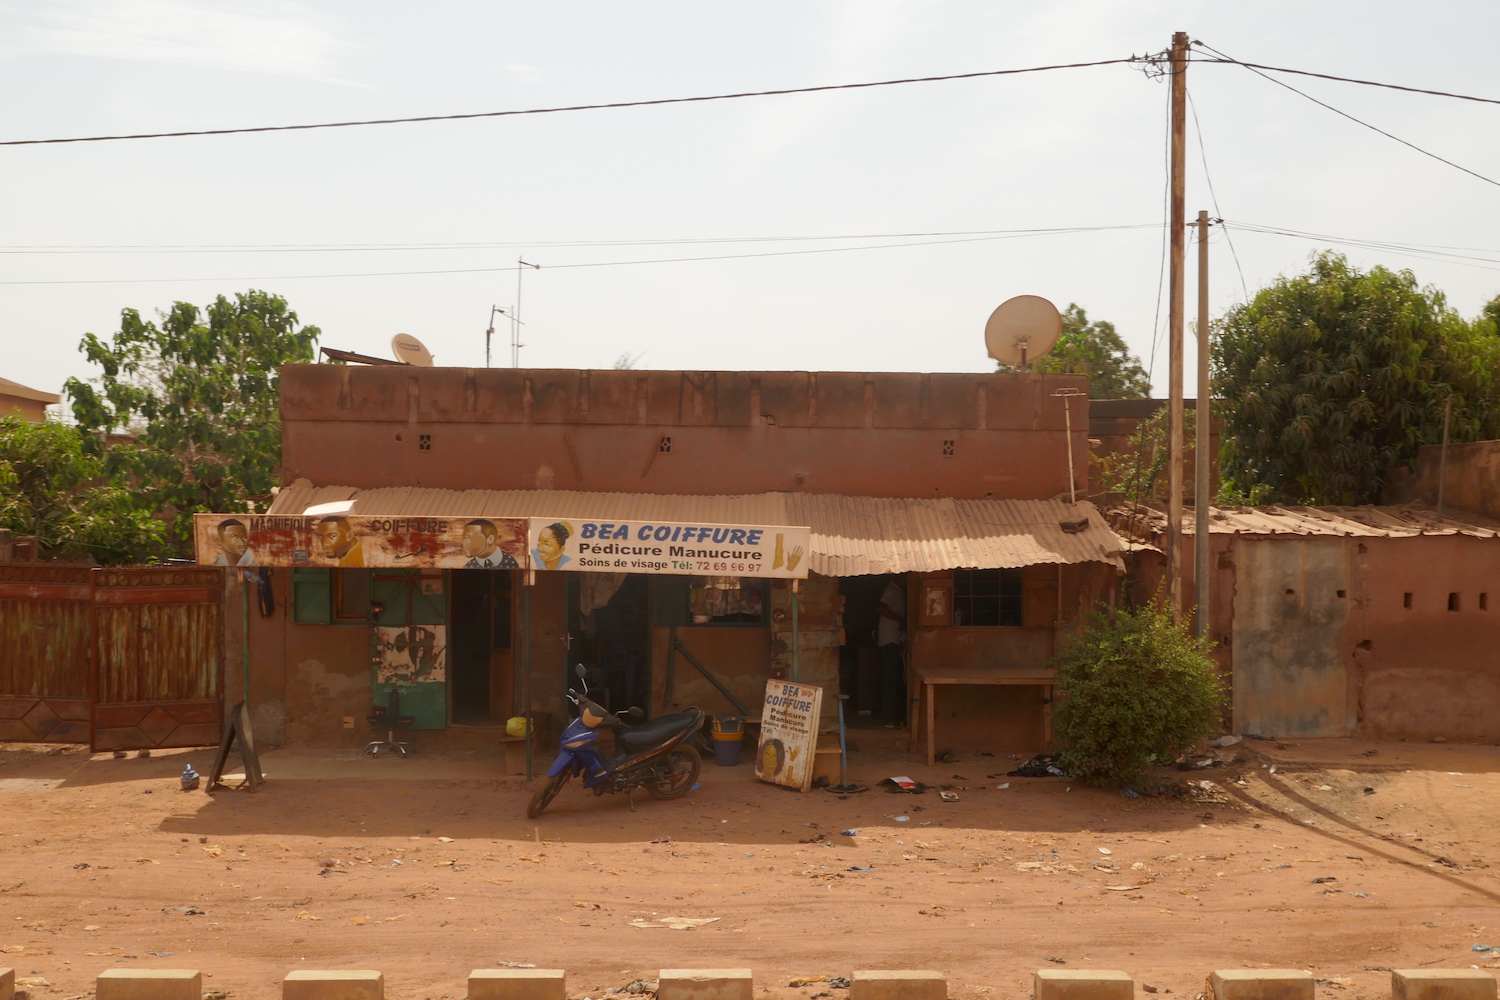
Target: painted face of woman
x,y
548,545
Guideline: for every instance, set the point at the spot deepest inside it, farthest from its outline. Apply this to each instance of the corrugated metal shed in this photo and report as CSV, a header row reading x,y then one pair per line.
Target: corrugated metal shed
x,y
1145,522
851,536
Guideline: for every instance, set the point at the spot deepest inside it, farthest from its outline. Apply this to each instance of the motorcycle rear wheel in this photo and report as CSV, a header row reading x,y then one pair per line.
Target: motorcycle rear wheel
x,y
547,793
682,766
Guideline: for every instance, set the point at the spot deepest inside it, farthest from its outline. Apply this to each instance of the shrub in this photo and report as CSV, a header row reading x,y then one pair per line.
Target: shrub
x,y
1133,686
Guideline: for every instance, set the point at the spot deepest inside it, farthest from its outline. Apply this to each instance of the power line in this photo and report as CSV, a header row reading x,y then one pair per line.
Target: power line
x,y
1432,252
458,246
1166,225
603,263
1222,58
558,110
1161,274
1342,79
1357,121
1203,155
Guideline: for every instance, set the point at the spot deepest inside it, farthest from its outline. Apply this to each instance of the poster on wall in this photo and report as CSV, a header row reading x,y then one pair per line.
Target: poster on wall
x,y
360,540
412,660
788,734
411,654
668,547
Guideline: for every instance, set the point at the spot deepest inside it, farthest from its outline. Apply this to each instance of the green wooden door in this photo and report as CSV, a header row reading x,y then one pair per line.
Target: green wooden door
x,y
409,614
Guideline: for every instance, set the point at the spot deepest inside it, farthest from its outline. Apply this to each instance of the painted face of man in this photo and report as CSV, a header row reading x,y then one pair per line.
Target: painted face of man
x,y
476,542
235,540
337,538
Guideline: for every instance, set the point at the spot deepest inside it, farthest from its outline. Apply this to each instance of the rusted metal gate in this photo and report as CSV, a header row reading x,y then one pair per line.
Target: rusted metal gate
x,y
44,653
157,678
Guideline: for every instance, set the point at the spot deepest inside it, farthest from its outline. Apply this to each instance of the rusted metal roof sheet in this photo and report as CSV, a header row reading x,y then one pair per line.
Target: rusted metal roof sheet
x,y
851,536
1146,521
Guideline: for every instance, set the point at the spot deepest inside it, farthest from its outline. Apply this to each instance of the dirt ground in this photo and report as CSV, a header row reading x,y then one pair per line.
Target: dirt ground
x,y
1349,859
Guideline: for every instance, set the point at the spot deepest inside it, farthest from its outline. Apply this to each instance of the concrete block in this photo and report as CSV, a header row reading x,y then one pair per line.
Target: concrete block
x,y
517,984
515,754
149,984
1082,984
1260,984
826,764
705,984
1442,984
897,984
7,984
333,984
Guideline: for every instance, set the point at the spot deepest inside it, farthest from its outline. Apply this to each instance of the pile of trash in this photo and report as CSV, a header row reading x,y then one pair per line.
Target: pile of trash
x,y
1043,765
1218,755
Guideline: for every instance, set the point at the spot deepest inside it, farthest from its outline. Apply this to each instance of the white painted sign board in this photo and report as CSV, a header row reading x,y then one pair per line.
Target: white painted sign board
x,y
788,734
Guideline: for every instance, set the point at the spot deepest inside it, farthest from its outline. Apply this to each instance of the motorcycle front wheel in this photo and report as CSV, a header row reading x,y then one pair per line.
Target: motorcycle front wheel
x,y
679,770
548,792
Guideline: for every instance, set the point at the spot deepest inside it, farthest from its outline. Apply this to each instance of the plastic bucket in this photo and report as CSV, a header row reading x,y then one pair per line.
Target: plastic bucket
x,y
726,725
727,748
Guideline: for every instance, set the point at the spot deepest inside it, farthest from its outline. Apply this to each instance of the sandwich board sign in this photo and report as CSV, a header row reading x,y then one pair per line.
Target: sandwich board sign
x,y
788,734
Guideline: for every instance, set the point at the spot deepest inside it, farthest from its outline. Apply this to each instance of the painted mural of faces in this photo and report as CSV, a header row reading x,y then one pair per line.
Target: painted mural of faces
x,y
337,537
550,542
481,539
234,539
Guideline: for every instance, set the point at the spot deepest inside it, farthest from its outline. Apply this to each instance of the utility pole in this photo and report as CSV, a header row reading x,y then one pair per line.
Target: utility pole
x,y
1178,232
1443,461
1202,460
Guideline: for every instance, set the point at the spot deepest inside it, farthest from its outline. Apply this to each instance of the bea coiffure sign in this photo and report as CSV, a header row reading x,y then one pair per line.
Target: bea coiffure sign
x,y
669,547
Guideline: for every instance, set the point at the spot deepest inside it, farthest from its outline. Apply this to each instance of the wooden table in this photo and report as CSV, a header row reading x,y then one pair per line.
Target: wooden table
x,y
930,677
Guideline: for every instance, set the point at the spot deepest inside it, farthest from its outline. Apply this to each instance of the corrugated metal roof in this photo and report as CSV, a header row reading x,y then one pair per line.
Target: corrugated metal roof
x,y
851,536
1146,521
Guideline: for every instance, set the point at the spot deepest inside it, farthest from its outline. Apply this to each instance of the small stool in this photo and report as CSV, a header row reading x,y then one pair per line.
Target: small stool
x,y
389,718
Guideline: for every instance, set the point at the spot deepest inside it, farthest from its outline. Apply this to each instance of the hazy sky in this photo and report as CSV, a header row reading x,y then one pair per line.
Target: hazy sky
x,y
1074,148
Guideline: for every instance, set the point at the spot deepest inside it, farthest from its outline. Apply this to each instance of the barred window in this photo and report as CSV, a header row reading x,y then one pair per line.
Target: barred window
x,y
987,597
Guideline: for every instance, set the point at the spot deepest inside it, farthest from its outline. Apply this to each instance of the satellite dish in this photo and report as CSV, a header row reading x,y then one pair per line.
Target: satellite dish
x,y
1022,329
410,350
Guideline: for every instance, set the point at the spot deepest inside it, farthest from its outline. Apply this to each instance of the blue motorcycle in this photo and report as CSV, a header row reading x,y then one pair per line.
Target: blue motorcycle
x,y
655,755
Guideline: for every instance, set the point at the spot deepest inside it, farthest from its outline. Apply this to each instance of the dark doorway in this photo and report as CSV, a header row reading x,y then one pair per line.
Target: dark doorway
x,y
859,661
479,646
613,641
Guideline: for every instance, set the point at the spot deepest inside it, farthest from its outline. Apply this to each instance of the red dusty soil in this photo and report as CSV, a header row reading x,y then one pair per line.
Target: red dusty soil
x,y
1301,868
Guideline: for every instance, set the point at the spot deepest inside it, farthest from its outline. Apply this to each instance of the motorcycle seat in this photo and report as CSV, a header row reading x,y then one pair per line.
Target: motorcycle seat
x,y
658,730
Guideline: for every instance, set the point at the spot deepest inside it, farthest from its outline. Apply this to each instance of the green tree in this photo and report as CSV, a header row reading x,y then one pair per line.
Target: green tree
x,y
1133,687
52,487
1331,378
1140,470
1096,350
200,392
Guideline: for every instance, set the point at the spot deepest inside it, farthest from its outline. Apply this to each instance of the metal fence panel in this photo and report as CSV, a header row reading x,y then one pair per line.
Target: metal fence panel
x,y
44,653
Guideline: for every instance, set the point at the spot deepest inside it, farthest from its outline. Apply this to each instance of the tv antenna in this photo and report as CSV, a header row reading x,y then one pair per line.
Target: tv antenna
x,y
411,350
1022,329
515,345
1067,394
515,318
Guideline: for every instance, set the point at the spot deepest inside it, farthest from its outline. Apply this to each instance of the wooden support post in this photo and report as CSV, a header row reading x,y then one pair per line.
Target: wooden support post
x,y
237,727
